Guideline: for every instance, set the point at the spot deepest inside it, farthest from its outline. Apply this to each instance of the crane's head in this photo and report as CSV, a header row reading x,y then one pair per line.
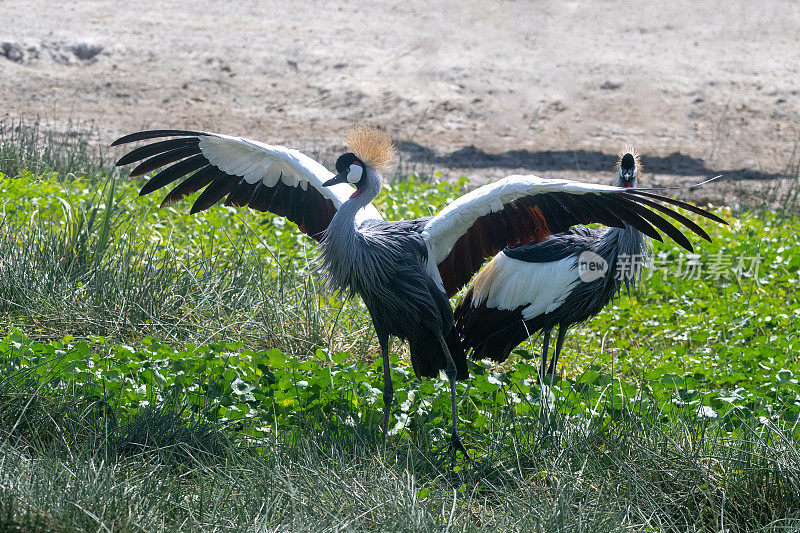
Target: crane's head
x,y
350,169
628,167
371,151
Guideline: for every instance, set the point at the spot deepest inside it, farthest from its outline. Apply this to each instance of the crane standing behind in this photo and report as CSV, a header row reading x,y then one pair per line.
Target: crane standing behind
x,y
561,281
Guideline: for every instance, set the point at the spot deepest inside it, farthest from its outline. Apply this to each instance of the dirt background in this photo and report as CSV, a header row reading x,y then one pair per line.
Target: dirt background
x,y
468,87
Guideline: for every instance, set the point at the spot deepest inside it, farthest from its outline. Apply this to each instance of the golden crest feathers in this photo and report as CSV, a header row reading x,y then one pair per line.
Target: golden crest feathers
x,y
372,145
629,149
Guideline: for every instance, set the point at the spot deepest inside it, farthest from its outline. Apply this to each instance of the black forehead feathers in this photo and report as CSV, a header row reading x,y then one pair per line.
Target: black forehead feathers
x,y
627,162
344,161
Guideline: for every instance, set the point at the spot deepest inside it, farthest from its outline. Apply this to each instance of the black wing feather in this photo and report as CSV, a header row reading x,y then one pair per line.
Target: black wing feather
x,y
262,197
604,215
214,193
557,216
677,216
241,194
689,207
582,211
193,183
163,159
663,225
176,171
156,148
308,208
632,217
154,134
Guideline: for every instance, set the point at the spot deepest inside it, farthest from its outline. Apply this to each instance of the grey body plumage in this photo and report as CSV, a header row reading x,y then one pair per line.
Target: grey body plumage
x,y
384,262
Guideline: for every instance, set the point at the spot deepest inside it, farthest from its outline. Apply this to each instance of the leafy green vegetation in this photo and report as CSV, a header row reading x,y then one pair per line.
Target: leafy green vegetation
x,y
160,372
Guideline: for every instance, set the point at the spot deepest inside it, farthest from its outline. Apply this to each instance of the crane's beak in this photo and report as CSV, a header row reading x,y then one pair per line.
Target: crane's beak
x,y
341,177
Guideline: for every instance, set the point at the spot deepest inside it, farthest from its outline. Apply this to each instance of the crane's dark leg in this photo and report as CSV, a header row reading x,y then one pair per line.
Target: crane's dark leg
x,y
450,371
388,388
562,331
545,344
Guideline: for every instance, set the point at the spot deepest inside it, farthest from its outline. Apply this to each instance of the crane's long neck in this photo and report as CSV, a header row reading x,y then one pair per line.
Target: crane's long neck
x,y
344,221
626,251
343,243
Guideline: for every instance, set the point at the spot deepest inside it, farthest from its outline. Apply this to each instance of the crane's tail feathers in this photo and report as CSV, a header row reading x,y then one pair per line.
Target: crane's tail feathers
x,y
498,348
487,332
428,359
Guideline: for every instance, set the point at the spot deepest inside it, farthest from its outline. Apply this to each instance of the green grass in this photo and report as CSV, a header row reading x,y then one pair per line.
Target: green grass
x,y
161,372
71,149
635,473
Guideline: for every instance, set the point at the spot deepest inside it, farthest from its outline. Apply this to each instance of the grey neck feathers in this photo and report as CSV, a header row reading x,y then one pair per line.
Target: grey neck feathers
x,y
343,243
344,219
626,249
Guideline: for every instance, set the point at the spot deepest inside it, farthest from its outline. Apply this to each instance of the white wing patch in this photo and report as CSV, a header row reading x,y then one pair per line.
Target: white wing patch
x,y
443,230
256,161
508,284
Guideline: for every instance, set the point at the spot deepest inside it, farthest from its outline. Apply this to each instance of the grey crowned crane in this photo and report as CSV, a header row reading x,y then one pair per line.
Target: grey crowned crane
x,y
563,280
405,271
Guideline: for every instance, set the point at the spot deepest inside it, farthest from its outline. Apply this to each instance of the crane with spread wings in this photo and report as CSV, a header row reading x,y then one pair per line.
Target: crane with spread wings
x,y
405,271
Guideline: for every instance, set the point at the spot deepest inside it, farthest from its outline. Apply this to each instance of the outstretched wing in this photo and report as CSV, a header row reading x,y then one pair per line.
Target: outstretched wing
x,y
522,209
266,178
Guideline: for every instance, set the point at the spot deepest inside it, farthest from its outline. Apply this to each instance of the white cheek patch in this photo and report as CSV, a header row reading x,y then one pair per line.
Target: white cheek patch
x,y
354,175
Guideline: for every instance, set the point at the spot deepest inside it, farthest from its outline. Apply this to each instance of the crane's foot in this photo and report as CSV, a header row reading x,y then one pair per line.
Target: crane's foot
x,y
457,446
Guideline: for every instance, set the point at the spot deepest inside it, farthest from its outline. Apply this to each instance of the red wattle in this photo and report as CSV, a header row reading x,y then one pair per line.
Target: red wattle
x,y
358,191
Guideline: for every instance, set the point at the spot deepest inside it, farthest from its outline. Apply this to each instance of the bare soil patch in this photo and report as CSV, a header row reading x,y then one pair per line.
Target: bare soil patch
x,y
468,87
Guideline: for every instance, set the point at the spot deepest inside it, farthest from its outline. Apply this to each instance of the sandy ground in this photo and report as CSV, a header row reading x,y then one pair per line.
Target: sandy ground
x,y
468,87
